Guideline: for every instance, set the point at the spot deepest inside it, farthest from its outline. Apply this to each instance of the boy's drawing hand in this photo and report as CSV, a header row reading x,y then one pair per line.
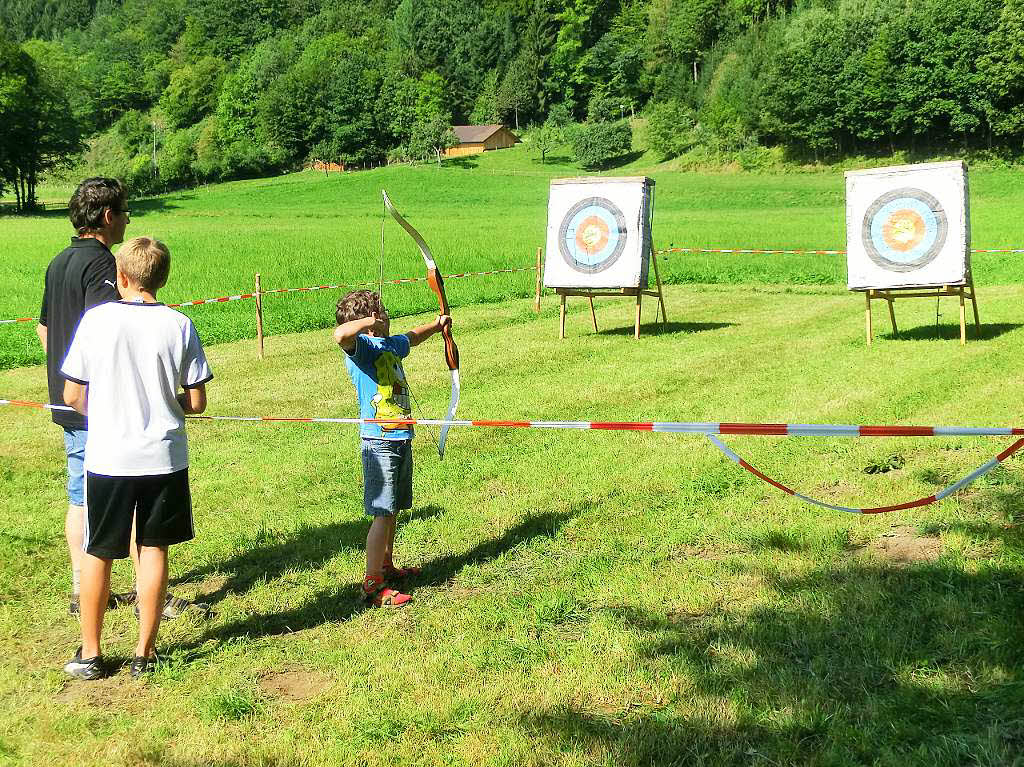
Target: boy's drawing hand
x,y
380,326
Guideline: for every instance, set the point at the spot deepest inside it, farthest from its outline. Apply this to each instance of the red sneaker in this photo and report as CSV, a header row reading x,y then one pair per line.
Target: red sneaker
x,y
376,592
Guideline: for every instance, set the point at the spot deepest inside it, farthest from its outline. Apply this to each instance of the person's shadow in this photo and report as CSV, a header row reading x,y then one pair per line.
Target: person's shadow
x,y
307,548
312,547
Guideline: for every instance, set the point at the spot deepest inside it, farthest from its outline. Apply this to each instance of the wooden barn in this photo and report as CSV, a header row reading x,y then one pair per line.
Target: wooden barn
x,y
474,139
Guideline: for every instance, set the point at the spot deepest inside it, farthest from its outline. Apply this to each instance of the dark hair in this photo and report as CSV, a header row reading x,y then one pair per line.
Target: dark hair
x,y
91,199
357,305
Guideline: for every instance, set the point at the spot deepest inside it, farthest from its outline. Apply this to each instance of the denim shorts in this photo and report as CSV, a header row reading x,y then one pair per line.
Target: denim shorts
x,y
387,476
74,447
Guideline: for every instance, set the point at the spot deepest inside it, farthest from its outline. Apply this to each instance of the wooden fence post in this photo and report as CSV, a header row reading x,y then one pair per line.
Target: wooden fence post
x,y
536,300
259,315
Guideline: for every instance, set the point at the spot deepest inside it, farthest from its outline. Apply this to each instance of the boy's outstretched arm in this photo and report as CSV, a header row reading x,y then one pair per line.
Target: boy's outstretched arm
x,y
345,334
193,399
423,332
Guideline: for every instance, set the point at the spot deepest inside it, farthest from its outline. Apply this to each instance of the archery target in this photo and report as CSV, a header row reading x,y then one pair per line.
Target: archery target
x,y
598,233
592,235
907,226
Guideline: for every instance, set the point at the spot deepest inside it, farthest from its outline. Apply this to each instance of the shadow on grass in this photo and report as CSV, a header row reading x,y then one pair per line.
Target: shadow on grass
x,y
622,160
466,161
659,328
137,206
146,205
949,332
553,159
307,548
864,663
344,601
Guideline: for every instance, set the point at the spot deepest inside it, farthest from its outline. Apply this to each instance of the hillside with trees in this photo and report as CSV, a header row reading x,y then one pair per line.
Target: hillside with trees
x,y
169,93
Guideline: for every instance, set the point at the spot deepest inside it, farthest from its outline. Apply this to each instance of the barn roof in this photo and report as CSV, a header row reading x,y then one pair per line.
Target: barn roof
x,y
475,134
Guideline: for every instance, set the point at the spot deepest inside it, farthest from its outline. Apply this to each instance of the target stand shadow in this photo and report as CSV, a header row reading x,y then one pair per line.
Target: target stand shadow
x,y
965,292
599,242
908,235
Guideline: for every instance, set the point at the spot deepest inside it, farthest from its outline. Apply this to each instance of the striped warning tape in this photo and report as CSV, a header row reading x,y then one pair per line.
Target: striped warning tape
x,y
242,296
981,471
705,428
805,252
710,430
750,250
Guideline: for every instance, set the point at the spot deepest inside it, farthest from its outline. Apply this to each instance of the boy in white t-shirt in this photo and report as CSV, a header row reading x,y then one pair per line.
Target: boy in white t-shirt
x,y
125,365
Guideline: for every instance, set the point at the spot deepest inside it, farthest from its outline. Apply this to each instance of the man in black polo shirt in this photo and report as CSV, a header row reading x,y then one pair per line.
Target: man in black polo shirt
x,y
81,276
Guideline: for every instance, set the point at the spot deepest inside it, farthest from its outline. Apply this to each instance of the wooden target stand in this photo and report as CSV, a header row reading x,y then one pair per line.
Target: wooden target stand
x,y
638,292
964,290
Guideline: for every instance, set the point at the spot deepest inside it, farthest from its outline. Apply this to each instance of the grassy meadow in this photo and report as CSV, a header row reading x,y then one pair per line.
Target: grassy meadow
x,y
588,599
479,213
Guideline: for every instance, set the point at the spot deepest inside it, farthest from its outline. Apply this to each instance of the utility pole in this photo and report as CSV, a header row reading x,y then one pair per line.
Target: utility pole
x,y
156,166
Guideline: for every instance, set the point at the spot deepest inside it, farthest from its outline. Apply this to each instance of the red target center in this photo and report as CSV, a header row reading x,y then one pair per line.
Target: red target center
x,y
592,234
904,230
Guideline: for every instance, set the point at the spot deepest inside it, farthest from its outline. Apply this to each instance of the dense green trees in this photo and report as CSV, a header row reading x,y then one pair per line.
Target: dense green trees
x,y
38,130
179,91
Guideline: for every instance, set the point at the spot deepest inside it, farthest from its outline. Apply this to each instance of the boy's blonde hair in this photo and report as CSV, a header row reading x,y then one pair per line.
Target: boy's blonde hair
x,y
145,261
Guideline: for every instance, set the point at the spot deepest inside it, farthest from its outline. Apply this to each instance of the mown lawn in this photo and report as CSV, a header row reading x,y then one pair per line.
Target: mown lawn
x,y
479,213
588,598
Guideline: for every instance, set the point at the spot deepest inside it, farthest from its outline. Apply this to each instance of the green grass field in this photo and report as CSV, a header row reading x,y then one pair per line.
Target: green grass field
x,y
485,212
588,598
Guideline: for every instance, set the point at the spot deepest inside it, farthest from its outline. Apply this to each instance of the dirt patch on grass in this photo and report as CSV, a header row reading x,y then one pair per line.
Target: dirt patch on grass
x,y
902,545
111,692
294,686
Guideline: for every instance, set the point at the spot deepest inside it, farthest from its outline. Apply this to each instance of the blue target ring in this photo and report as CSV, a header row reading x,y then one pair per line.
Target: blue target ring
x,y
592,235
904,229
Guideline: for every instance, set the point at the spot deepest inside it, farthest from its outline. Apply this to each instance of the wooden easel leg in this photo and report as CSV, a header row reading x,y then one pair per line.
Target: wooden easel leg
x,y
892,315
561,318
661,292
636,327
963,319
593,314
867,315
974,304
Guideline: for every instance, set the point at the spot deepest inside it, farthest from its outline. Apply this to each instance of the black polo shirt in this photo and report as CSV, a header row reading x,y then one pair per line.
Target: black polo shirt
x,y
80,277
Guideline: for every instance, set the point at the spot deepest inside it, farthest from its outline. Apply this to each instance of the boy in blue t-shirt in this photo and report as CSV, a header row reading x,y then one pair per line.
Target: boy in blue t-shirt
x,y
374,362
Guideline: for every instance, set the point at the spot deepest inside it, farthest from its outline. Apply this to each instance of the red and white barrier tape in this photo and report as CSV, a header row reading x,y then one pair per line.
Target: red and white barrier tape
x,y
804,252
749,250
706,428
710,430
241,296
981,471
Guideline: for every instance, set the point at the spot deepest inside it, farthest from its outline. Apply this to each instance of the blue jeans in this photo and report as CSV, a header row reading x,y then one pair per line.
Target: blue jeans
x,y
74,447
387,476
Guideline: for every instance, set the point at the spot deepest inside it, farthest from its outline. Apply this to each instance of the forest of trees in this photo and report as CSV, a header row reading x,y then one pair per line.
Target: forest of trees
x,y
167,93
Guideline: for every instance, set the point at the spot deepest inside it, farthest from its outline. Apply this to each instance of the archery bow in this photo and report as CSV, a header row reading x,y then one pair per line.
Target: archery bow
x,y
451,351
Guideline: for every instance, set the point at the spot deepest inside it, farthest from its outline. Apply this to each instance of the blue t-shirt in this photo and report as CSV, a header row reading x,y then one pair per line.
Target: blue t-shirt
x,y
375,368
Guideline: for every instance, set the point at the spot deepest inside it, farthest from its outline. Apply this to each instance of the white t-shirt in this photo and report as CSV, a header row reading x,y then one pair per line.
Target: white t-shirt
x,y
133,357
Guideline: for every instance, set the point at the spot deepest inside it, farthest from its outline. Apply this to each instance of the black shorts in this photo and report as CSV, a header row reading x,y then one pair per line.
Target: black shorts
x,y
162,503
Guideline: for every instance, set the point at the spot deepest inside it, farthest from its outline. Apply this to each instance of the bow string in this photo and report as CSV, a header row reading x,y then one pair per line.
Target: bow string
x,y
436,282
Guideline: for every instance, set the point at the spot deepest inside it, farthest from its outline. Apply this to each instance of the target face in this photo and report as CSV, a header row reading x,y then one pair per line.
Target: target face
x,y
598,233
904,229
592,235
908,226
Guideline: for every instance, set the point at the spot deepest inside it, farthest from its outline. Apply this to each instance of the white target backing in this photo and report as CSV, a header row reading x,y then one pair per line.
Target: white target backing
x,y
599,232
907,226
